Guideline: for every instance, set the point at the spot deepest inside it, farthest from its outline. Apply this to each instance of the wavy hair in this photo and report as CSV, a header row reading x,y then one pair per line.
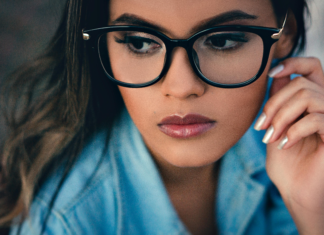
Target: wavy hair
x,y
54,103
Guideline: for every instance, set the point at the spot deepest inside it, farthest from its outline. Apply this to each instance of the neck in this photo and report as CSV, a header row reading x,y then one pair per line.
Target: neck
x,y
186,177
177,176
192,193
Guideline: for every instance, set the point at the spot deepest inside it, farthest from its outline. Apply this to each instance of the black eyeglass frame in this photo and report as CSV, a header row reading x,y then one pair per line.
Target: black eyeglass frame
x,y
268,35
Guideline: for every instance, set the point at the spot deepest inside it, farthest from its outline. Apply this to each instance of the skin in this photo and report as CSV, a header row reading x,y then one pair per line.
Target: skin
x,y
187,165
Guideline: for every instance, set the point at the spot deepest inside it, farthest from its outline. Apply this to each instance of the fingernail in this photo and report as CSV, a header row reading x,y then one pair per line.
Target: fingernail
x,y
268,135
273,72
260,121
283,143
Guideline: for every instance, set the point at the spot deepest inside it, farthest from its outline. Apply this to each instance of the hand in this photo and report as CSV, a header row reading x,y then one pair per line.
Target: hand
x,y
294,117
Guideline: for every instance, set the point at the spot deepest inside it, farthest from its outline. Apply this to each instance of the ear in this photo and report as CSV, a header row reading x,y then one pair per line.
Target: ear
x,y
287,39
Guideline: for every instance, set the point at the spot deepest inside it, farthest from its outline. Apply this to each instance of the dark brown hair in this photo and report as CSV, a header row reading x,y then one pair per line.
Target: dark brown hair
x,y
54,103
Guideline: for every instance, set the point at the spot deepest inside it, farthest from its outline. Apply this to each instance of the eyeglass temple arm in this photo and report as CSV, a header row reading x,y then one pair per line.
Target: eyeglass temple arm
x,y
274,36
278,35
85,36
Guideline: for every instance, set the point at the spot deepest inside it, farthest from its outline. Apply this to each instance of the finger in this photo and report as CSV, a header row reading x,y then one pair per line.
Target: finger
x,y
310,124
304,101
310,68
282,96
278,84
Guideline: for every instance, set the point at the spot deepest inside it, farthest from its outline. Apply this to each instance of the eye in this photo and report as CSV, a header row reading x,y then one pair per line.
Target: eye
x,y
221,42
225,41
139,45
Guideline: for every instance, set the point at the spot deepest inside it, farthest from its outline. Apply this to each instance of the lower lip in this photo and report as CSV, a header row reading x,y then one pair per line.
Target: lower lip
x,y
186,131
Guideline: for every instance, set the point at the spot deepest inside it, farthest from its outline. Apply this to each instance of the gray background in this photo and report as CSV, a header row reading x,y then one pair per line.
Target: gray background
x,y
315,33
27,25
25,28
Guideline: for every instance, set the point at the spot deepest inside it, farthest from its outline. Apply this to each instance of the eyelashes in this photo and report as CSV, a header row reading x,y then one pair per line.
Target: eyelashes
x,y
144,44
139,45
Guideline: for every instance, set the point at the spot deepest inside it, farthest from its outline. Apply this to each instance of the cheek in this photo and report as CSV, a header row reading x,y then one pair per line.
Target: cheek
x,y
141,105
245,103
238,109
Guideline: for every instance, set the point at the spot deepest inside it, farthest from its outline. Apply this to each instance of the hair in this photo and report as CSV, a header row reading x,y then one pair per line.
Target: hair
x,y
54,103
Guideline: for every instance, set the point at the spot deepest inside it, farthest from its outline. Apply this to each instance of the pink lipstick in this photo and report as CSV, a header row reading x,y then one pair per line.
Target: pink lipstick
x,y
190,125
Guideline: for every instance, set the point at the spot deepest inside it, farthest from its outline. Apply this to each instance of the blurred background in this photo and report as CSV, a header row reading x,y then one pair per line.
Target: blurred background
x,y
27,25
315,33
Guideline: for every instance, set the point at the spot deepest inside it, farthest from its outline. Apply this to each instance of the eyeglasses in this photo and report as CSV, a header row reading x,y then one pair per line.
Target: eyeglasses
x,y
223,56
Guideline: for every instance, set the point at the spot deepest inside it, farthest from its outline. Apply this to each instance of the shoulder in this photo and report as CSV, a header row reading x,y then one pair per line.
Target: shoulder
x,y
92,170
86,197
90,198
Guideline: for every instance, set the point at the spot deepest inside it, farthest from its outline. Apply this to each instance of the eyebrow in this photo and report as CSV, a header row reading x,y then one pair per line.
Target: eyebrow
x,y
213,21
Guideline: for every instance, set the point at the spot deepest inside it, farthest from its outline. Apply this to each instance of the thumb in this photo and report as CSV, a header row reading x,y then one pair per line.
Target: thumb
x,y
278,84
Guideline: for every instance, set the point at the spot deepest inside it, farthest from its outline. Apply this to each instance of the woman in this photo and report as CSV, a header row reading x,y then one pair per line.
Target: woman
x,y
181,157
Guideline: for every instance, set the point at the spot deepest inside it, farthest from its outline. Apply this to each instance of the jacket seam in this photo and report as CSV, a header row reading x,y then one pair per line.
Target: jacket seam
x,y
56,214
119,202
85,194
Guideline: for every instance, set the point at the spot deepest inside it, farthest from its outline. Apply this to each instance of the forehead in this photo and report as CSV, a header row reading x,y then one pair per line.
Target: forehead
x,y
179,16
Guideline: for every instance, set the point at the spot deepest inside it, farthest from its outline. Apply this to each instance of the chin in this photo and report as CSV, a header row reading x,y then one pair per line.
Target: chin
x,y
191,164
190,153
191,159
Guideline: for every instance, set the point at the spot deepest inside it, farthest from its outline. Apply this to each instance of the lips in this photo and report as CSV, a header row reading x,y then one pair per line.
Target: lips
x,y
190,125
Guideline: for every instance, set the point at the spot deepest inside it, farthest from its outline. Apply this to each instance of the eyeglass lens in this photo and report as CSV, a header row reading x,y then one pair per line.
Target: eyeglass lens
x,y
223,57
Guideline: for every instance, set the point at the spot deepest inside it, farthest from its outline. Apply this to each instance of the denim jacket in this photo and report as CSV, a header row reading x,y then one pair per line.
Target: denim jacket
x,y
120,191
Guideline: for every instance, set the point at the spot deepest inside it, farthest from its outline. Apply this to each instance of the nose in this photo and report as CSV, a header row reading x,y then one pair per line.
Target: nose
x,y
181,81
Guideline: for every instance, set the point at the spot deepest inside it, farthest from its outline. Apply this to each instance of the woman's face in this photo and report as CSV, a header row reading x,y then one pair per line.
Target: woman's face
x,y
227,113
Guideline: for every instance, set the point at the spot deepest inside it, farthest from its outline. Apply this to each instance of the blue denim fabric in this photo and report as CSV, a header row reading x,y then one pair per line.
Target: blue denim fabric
x,y
126,194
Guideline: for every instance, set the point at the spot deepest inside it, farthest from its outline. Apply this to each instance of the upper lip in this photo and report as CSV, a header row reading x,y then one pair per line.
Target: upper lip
x,y
186,120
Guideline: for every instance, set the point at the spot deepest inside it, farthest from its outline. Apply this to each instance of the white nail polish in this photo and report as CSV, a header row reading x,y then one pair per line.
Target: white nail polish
x,y
260,121
273,72
283,143
268,135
